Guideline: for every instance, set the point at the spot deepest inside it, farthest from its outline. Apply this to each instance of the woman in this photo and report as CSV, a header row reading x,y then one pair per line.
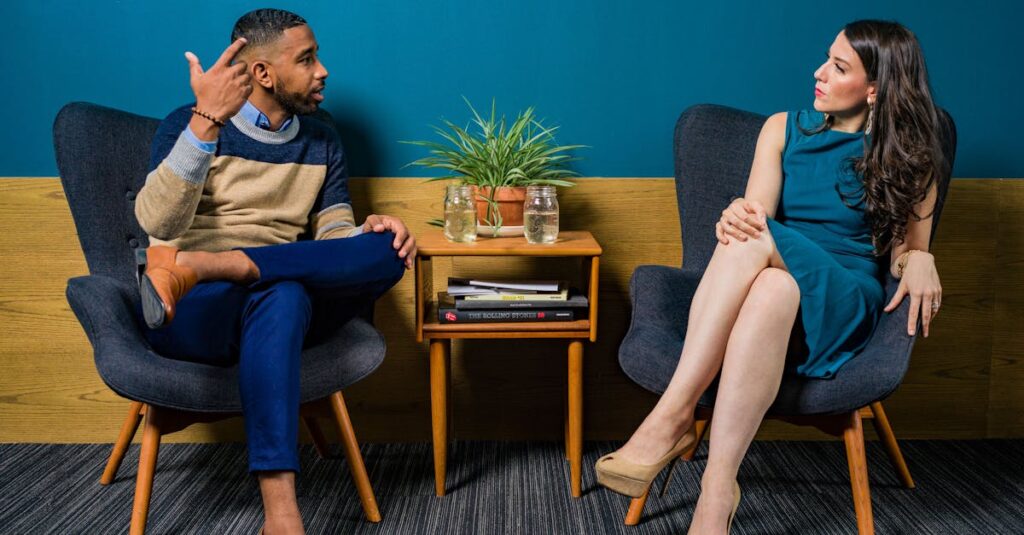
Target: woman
x,y
832,191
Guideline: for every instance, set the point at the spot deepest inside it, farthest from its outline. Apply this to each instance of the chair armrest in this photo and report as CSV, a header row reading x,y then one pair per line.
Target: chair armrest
x,y
660,297
660,300
106,309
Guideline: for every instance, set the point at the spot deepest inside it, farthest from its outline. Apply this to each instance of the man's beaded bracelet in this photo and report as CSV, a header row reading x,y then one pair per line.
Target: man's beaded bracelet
x,y
208,117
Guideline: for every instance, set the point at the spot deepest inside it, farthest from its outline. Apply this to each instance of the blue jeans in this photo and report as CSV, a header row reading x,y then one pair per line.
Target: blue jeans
x,y
304,288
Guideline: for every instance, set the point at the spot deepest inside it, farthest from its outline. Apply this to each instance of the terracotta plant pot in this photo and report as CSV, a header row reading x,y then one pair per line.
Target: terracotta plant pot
x,y
510,204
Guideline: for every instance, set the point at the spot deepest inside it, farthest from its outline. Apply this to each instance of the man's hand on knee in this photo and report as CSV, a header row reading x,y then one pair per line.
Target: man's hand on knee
x,y
404,242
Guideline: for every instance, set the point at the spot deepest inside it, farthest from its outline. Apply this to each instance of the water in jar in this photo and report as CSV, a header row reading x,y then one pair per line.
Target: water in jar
x,y
460,224
541,227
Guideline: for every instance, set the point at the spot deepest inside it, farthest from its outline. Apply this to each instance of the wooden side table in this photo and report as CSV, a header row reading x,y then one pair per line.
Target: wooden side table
x,y
569,244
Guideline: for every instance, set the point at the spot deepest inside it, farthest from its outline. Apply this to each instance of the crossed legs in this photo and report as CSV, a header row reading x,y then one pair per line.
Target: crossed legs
x,y
740,322
254,307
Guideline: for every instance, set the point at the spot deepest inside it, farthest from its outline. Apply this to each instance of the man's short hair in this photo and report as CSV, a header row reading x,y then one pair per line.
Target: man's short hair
x,y
264,26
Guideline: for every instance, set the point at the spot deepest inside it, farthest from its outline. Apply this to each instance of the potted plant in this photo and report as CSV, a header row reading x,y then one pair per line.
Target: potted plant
x,y
499,160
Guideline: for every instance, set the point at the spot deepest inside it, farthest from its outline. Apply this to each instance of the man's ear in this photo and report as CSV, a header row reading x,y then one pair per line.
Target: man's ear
x,y
262,74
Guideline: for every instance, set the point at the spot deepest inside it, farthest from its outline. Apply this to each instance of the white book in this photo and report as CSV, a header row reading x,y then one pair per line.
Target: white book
x,y
562,295
460,290
522,285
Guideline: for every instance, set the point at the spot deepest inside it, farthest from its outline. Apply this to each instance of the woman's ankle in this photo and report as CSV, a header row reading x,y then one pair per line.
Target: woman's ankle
x,y
655,437
669,424
716,483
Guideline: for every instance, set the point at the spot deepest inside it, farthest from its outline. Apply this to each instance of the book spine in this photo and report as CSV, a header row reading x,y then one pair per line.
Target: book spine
x,y
453,315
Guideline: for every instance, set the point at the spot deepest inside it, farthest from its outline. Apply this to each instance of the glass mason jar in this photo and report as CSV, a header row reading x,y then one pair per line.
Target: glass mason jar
x,y
459,214
540,215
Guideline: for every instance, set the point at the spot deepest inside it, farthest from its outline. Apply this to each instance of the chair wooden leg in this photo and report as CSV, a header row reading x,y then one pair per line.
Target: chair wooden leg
x,y
636,505
636,509
319,441
128,429
892,448
147,466
355,458
853,435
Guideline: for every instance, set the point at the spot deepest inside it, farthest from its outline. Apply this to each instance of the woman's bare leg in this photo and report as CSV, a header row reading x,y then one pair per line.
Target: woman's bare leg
x,y
713,312
751,374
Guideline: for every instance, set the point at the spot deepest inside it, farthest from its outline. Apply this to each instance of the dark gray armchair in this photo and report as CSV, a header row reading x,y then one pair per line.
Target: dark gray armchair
x,y
103,159
714,148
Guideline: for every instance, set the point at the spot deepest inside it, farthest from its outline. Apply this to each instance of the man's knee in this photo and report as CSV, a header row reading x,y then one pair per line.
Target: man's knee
x,y
383,256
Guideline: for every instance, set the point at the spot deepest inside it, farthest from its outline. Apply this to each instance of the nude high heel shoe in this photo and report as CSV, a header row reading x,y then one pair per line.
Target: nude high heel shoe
x,y
735,506
634,479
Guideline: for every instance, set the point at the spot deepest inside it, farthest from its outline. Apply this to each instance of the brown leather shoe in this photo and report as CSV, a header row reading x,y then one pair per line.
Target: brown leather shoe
x,y
163,284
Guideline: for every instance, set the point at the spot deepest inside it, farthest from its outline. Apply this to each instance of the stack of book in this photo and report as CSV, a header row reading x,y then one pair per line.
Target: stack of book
x,y
489,301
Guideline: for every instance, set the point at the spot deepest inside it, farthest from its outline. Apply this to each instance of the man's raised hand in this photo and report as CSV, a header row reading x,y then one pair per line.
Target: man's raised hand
x,y
222,90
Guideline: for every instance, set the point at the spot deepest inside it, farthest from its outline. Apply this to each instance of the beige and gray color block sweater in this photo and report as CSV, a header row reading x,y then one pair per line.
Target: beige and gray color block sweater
x,y
258,188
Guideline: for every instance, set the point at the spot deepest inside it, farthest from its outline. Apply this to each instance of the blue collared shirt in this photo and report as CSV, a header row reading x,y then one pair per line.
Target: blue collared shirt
x,y
255,116
249,113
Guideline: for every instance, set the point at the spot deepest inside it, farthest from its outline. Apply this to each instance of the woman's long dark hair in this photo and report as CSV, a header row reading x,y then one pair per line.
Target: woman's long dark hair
x,y
902,155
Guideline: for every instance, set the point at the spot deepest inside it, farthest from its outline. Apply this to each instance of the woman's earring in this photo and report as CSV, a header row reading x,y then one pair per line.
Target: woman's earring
x,y
871,118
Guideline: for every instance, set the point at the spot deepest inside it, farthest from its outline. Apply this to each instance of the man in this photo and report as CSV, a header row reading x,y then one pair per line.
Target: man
x,y
236,181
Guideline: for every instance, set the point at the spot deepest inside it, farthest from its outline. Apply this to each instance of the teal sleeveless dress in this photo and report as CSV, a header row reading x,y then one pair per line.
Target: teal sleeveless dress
x,y
826,246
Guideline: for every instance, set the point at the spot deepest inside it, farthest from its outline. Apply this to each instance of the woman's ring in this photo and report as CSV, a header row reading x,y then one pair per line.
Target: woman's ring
x,y
935,306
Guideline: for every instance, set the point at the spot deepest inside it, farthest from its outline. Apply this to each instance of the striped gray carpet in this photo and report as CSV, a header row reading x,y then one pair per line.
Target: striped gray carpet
x,y
788,487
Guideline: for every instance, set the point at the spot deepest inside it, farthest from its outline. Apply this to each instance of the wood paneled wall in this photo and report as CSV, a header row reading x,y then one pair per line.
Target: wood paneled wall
x,y
964,381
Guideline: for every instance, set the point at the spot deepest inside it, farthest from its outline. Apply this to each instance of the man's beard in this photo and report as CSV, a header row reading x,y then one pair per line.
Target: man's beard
x,y
293,103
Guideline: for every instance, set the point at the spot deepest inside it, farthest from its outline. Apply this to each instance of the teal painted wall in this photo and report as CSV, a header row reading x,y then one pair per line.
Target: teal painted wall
x,y
614,74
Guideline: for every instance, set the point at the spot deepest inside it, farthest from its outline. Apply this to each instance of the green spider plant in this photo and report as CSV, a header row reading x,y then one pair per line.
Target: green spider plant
x,y
499,154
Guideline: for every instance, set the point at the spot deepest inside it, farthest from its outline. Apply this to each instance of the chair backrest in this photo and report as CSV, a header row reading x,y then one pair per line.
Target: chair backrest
x,y
103,159
714,149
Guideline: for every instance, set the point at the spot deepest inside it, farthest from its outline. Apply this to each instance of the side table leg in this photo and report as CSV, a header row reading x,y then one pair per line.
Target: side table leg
x,y
439,409
575,415
565,418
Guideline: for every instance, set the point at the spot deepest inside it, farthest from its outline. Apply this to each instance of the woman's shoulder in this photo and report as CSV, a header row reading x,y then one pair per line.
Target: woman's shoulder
x,y
773,132
777,120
